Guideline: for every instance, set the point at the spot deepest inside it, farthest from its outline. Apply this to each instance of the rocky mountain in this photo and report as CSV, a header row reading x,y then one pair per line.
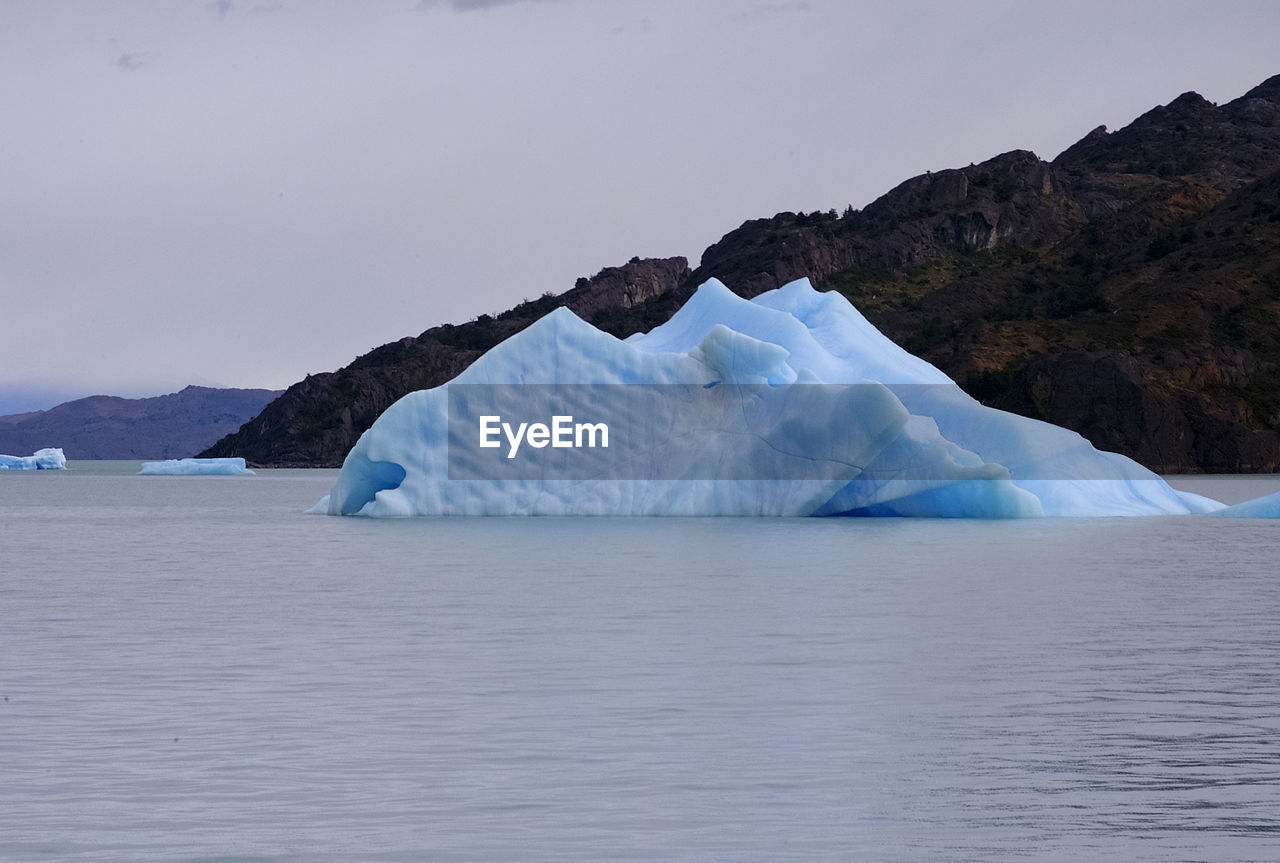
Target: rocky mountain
x,y
108,427
1129,289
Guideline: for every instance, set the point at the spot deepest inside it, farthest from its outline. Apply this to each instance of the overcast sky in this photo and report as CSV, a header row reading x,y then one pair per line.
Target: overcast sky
x,y
241,192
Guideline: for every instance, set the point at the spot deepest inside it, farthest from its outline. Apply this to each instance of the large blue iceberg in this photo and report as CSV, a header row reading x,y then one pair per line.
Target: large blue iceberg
x,y
892,435
50,458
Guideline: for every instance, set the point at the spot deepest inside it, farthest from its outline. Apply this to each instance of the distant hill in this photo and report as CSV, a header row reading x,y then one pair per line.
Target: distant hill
x,y
177,425
1129,289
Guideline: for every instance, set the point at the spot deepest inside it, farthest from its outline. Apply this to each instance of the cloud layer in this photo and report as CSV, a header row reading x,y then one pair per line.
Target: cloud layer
x,y
247,192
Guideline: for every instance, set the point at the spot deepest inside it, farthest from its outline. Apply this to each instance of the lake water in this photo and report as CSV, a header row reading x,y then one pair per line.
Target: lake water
x,y
193,669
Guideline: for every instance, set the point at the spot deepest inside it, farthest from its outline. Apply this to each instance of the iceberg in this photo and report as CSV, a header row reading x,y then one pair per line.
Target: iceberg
x,y
790,404
50,458
1267,506
195,467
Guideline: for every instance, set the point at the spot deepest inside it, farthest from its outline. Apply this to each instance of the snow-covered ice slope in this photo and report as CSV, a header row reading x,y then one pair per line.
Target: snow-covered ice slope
x,y
876,430
50,458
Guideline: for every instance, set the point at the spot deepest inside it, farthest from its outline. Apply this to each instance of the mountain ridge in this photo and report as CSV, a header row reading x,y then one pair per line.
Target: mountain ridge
x,y
1128,289
174,425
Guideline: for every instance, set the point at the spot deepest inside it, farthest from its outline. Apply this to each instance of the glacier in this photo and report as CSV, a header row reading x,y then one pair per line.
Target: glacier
x,y
891,434
196,467
49,458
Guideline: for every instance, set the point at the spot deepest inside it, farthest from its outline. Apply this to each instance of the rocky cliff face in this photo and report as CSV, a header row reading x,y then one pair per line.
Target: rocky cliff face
x,y
1129,289
107,427
1013,199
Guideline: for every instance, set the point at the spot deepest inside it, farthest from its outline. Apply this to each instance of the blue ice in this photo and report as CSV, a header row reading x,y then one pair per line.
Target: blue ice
x,y
913,443
195,467
50,458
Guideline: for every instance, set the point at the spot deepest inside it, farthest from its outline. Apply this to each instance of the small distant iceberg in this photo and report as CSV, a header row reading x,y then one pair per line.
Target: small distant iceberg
x,y
196,467
50,458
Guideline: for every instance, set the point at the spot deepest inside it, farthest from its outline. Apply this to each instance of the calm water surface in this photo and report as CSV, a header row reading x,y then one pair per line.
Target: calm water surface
x,y
194,670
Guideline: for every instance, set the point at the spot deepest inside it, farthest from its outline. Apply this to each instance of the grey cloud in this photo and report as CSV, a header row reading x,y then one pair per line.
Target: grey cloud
x,y
223,8
644,26
131,62
470,5
766,10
